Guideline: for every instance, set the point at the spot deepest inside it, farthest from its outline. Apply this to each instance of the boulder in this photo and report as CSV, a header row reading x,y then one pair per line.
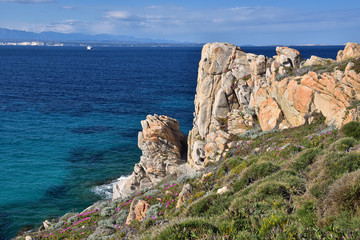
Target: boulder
x,y
314,60
45,225
351,50
269,114
222,190
289,57
184,195
138,209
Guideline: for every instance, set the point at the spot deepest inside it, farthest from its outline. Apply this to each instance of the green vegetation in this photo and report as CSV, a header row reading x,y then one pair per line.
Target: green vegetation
x,y
352,129
300,183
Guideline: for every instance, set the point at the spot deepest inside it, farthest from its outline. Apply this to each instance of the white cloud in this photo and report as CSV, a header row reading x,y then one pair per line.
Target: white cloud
x,y
67,7
118,14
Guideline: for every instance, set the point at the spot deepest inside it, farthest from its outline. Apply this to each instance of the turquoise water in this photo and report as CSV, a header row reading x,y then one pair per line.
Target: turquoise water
x,y
69,120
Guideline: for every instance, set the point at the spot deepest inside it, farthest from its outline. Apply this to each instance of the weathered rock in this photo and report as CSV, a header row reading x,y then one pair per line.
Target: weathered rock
x,y
314,60
289,57
221,66
222,190
28,238
351,50
184,195
229,99
163,148
45,225
138,209
269,114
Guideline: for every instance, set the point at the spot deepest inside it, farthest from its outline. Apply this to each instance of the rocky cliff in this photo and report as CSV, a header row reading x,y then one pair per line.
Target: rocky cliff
x,y
238,91
163,148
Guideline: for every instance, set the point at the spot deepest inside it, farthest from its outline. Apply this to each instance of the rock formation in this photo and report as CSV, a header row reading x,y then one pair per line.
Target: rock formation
x,y
163,148
351,50
138,209
237,91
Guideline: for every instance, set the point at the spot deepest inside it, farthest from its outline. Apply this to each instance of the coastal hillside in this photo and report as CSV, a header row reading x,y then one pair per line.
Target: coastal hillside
x,y
274,153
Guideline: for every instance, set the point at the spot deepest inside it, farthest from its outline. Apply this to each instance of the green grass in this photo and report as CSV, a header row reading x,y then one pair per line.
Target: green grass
x,y
301,183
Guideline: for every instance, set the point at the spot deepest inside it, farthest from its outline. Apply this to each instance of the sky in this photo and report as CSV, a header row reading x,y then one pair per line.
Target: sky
x,y
241,22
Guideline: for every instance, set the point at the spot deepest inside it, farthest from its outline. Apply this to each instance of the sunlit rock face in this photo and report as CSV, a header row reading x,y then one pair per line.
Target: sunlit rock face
x,y
238,91
163,148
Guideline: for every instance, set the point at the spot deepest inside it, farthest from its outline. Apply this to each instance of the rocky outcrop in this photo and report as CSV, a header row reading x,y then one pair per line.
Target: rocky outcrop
x,y
351,50
184,195
163,148
237,91
138,209
314,60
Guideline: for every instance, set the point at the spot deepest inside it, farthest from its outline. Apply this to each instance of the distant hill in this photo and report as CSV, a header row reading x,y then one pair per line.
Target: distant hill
x,y
17,35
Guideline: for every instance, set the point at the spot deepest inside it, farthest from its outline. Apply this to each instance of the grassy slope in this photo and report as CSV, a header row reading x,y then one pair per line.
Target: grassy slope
x,y
300,183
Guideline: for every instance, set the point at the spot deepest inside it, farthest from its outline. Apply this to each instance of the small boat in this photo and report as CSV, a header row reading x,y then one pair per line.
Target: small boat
x,y
89,48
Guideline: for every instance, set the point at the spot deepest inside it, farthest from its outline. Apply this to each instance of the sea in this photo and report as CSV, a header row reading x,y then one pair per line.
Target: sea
x,y
69,120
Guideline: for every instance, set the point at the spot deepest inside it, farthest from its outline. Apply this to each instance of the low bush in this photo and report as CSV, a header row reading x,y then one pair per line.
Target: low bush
x,y
345,144
343,195
255,172
307,214
306,158
188,229
210,205
227,166
340,163
352,129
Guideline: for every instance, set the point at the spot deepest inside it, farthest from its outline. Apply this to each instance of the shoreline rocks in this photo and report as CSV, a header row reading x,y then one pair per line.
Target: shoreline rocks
x,y
163,148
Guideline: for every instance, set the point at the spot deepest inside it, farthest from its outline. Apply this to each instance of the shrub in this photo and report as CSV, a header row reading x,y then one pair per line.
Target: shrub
x,y
345,144
306,158
271,189
227,166
344,195
352,129
306,214
254,173
340,163
122,215
108,211
276,220
211,205
107,223
153,210
188,229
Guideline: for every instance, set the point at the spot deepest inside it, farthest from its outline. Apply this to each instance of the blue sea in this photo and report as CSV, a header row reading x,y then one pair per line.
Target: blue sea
x,y
69,120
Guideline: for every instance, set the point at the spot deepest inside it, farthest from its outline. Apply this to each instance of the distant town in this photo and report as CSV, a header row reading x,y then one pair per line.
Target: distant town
x,y
33,43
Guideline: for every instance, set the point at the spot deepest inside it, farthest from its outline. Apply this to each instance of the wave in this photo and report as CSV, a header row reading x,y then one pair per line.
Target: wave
x,y
105,191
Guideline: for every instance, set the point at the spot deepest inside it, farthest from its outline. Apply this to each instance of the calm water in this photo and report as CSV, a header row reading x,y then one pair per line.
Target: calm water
x,y
69,120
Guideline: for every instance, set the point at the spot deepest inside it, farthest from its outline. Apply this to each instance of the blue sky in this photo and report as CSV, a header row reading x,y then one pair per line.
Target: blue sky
x,y
257,22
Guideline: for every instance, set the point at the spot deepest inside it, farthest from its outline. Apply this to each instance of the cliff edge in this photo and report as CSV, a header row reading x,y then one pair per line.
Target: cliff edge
x,y
238,91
